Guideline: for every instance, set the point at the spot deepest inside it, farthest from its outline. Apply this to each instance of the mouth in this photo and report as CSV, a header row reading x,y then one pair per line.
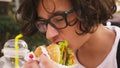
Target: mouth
x,y
57,42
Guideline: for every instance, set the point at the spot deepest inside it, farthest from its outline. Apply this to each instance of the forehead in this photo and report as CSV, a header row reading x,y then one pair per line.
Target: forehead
x,y
52,5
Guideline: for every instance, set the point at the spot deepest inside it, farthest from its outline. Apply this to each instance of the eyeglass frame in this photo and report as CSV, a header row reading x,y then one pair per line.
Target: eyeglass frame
x,y
64,15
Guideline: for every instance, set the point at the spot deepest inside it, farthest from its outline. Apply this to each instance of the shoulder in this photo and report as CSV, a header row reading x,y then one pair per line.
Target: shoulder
x,y
116,29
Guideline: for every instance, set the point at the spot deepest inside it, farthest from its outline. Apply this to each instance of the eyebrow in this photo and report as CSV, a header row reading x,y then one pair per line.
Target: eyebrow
x,y
52,14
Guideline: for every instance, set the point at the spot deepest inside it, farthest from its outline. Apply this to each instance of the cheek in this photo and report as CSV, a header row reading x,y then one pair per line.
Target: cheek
x,y
75,41
70,35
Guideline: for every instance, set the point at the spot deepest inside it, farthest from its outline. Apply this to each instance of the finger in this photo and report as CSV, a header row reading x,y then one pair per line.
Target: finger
x,y
35,64
45,62
31,64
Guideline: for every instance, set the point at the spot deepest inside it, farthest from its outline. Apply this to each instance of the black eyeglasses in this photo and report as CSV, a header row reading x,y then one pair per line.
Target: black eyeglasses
x,y
58,21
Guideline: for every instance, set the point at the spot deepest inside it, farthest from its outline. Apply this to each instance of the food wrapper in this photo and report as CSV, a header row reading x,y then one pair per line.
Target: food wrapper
x,y
31,55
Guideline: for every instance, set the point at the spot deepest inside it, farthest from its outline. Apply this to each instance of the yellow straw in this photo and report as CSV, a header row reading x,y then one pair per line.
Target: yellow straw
x,y
16,50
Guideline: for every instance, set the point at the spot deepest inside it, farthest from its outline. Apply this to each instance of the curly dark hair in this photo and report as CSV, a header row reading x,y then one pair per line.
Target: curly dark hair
x,y
90,13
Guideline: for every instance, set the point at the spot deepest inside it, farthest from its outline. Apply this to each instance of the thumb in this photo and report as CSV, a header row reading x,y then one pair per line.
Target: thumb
x,y
45,62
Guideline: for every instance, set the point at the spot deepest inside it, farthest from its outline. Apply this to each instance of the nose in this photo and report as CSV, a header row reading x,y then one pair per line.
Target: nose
x,y
51,33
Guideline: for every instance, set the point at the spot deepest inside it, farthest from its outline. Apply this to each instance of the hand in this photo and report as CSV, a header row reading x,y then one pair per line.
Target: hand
x,y
32,64
46,63
43,62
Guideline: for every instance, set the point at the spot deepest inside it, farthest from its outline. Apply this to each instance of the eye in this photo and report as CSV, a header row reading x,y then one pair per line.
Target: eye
x,y
40,23
57,19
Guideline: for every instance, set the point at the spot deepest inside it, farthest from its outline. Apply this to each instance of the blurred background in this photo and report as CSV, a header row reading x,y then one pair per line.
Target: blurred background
x,y
9,28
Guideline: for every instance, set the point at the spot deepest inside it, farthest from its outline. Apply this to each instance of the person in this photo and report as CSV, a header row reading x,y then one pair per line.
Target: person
x,y
80,22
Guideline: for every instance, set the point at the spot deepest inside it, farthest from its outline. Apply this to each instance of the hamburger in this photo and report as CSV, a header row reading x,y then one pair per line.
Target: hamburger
x,y
59,53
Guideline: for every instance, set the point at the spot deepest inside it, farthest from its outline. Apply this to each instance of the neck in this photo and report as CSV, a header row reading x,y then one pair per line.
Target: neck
x,y
96,48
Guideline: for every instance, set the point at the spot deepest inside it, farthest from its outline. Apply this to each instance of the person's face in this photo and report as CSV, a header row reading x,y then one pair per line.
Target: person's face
x,y
68,33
